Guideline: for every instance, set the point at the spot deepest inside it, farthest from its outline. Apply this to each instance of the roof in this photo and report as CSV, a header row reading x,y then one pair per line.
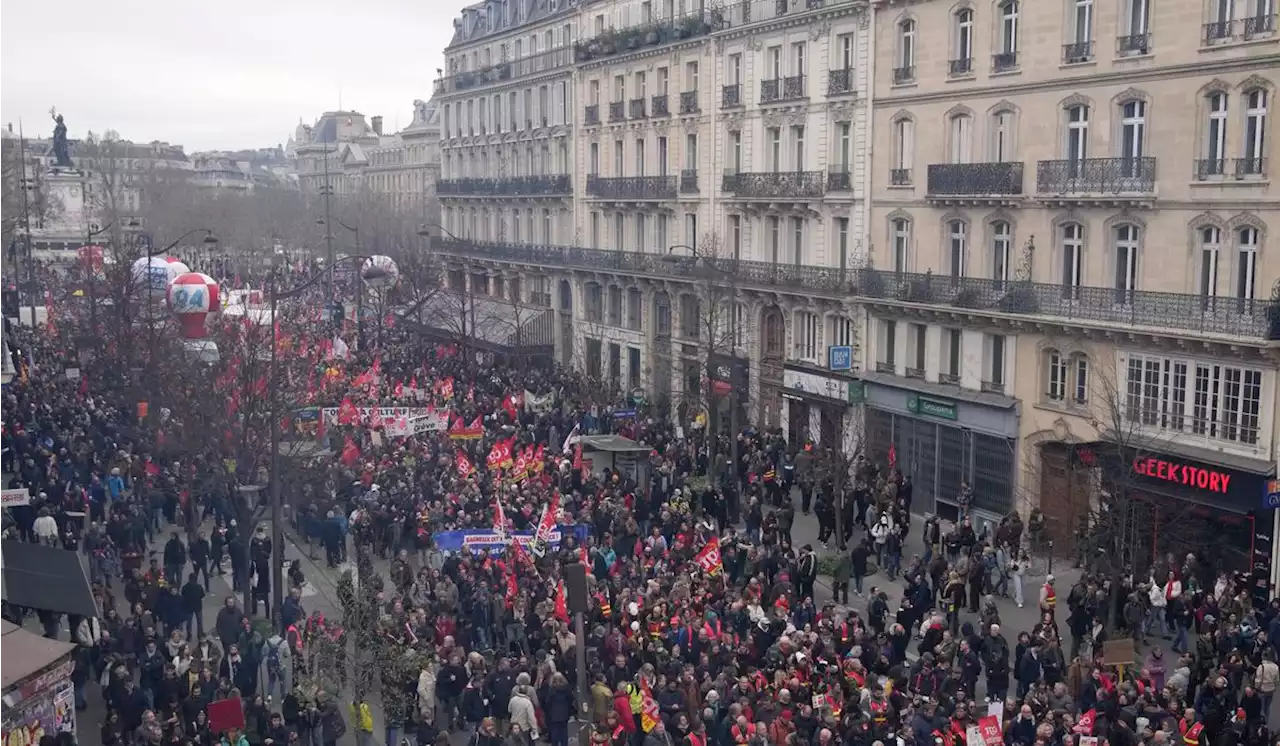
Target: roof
x,y
26,653
613,444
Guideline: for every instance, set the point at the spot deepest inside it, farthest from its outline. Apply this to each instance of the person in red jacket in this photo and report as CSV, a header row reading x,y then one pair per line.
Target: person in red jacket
x,y
622,711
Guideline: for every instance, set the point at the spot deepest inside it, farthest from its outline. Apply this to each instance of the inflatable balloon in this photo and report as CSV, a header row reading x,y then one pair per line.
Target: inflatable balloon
x,y
379,272
192,297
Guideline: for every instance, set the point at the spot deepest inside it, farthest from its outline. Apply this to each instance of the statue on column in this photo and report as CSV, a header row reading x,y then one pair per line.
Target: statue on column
x,y
61,149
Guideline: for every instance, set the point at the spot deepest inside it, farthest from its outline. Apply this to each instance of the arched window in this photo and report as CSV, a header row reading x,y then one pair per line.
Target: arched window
x,y
1067,377
1007,57
1255,132
1246,262
962,51
1210,239
1133,133
903,151
1077,144
958,230
900,236
1001,252
960,129
1002,136
905,71
1127,243
1072,240
1215,137
593,302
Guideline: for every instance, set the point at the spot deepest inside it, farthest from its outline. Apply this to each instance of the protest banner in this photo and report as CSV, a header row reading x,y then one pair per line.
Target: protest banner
x,y
483,540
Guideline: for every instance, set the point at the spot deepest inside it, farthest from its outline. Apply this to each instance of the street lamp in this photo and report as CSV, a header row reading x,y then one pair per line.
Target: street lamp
x,y
672,258
275,295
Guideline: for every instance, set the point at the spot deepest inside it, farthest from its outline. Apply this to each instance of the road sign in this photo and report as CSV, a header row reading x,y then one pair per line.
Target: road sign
x,y
840,357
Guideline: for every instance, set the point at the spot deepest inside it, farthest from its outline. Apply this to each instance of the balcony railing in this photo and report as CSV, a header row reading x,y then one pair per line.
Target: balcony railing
x,y
952,378
616,41
917,373
553,59
993,387
960,67
782,89
899,177
904,74
839,82
1217,31
617,111
1097,176
632,187
1133,44
510,186
689,181
1004,61
975,179
1250,167
1174,311
1077,52
689,102
777,184
840,180
1208,168
886,366
592,114
1259,25
731,96
636,108
659,105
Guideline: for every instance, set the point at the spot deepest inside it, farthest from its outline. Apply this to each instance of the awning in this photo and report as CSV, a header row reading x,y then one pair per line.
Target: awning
x,y
26,653
46,578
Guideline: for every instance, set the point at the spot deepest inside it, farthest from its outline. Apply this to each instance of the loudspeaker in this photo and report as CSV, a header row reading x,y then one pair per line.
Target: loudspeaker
x,y
576,580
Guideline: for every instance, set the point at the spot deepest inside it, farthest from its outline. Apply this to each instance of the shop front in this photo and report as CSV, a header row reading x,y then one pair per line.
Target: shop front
x,y
820,406
729,375
943,437
39,698
1218,507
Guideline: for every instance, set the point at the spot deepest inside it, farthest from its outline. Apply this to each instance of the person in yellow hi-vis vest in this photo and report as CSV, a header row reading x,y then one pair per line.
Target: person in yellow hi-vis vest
x,y
362,722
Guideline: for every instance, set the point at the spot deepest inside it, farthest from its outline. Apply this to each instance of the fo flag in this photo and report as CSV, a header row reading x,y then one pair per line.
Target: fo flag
x,y
709,558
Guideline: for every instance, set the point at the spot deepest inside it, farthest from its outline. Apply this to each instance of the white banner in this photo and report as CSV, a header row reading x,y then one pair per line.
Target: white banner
x,y
535,403
434,422
14,498
374,416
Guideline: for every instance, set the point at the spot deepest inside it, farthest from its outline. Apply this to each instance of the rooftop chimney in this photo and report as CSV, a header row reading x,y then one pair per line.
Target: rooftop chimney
x,y
377,126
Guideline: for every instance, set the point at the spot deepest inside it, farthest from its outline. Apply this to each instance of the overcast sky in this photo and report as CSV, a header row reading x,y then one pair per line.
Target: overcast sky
x,y
216,75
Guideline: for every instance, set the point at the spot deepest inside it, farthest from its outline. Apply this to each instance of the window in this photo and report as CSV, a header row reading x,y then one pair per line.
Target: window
x,y
1009,30
635,301
1072,259
961,133
841,331
995,362
641,243
797,58
774,137
952,342
595,230
888,346
1210,259
615,306
844,140
735,236
1001,252
618,152
1215,136
1077,146
1082,22
640,157
919,345
806,333
1126,262
639,84
1002,136
1246,262
842,243
900,230
593,302
735,150
907,49
691,76
735,69
619,231
774,64
1133,131
775,237
846,50
797,140
663,155
661,237
903,149
691,228
797,241
1137,25
959,231
1255,130
963,54
1174,396
1058,373
664,81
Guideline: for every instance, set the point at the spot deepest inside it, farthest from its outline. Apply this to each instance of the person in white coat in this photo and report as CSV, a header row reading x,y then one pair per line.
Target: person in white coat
x,y
880,532
1158,611
523,706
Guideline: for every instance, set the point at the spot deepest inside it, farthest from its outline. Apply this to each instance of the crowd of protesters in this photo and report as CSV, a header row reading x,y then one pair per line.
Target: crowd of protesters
x,y
684,646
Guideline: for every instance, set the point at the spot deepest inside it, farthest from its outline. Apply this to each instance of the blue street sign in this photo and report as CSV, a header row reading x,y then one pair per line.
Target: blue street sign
x,y
1271,495
840,357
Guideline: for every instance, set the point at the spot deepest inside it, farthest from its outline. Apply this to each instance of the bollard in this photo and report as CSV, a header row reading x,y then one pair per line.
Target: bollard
x,y
1050,571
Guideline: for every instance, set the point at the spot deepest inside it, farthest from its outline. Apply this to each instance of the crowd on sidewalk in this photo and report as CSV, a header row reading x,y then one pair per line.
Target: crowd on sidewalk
x,y
703,626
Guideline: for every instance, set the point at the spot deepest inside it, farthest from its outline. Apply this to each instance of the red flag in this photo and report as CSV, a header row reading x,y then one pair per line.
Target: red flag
x,y
499,518
709,558
562,603
507,447
582,555
494,461
347,412
577,456
1085,725
399,392
512,589
84,385
465,467
649,712
350,453
893,456
152,469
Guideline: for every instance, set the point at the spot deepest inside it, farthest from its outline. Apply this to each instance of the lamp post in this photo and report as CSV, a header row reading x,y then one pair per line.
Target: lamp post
x,y
713,270
275,295
359,286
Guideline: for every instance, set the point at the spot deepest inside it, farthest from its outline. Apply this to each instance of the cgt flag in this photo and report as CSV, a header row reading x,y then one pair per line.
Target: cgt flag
x,y
709,558
465,467
649,712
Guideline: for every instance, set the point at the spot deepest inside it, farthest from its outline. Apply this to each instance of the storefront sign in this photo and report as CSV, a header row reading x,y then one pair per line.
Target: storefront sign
x,y
1271,494
836,389
940,408
1186,475
840,357
857,392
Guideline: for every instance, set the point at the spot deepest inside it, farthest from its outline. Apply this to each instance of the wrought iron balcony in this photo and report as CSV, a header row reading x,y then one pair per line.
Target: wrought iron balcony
x,y
1077,52
886,366
1097,176
840,180
689,181
839,82
617,111
689,102
1208,168
904,74
658,105
592,114
1133,44
1250,167
731,96
1004,61
636,109
962,66
917,373
782,89
974,179
952,378
510,186
1259,25
899,177
770,90
777,185
781,6
631,187
1184,312
993,387
646,35
507,70
1218,31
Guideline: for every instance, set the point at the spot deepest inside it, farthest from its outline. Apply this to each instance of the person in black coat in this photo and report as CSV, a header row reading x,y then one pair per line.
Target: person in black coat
x,y
130,703
199,552
175,558
193,605
558,707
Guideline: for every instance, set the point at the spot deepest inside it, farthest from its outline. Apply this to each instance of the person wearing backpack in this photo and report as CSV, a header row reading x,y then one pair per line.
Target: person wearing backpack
x,y
277,660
